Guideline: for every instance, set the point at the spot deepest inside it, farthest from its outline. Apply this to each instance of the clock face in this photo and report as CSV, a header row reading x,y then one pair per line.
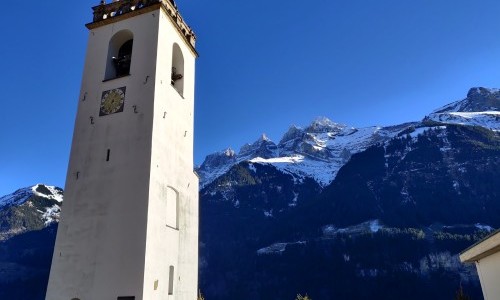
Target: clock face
x,y
112,101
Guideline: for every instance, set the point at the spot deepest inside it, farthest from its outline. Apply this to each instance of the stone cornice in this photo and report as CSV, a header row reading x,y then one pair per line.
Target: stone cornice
x,y
120,10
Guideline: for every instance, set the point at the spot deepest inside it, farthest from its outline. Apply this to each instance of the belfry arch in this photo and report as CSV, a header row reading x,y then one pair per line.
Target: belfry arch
x,y
119,57
178,69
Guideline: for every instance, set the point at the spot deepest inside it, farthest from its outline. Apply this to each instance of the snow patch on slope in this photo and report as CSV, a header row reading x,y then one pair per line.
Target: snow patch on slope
x,y
51,214
301,167
484,227
486,119
49,192
369,226
333,148
277,248
17,198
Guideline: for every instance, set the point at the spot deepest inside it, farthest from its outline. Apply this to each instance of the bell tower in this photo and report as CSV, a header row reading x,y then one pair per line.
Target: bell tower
x,y
129,224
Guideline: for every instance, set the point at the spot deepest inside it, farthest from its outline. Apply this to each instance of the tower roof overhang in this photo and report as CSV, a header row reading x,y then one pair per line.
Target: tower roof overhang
x,y
120,10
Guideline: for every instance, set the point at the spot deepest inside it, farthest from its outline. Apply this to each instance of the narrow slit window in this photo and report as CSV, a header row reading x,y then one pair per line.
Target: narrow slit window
x,y
126,298
171,280
108,154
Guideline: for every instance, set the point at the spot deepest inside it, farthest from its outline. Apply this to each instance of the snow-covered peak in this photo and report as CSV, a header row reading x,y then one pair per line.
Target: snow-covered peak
x,y
482,92
217,164
40,204
264,138
478,99
229,152
262,147
219,158
20,196
317,152
293,133
480,108
49,192
324,125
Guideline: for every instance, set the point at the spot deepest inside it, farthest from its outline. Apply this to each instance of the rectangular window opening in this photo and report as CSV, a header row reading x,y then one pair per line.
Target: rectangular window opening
x,y
109,153
126,298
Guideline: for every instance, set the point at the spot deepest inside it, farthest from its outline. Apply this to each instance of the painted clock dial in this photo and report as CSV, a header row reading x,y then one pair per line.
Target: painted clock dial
x,y
112,101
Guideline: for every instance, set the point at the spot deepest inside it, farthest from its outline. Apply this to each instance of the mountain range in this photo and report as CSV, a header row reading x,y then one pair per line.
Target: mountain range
x,y
326,210
331,208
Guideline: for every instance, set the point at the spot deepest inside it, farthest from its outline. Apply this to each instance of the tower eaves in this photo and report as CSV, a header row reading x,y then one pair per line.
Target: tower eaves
x,y
119,10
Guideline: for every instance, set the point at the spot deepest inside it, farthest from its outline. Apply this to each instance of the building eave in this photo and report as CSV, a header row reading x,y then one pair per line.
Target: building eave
x,y
482,249
94,25
148,9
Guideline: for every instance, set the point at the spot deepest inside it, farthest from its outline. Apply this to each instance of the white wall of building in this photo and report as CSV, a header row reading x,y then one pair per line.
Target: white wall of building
x,y
488,269
113,239
171,170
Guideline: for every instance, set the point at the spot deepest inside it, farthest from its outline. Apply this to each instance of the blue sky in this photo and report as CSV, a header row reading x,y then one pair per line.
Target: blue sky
x,y
264,66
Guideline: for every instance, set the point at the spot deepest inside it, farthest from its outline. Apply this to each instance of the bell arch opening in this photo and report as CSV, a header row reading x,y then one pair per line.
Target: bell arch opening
x,y
178,69
119,57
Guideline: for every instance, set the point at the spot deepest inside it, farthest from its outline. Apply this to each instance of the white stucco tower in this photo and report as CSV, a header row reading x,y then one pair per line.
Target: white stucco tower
x,y
129,223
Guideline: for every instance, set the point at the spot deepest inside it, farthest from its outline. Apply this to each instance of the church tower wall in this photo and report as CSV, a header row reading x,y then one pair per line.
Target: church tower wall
x,y
173,186
129,223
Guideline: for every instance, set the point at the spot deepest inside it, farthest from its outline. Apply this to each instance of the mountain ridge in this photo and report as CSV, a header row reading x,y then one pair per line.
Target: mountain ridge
x,y
29,209
320,149
396,213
